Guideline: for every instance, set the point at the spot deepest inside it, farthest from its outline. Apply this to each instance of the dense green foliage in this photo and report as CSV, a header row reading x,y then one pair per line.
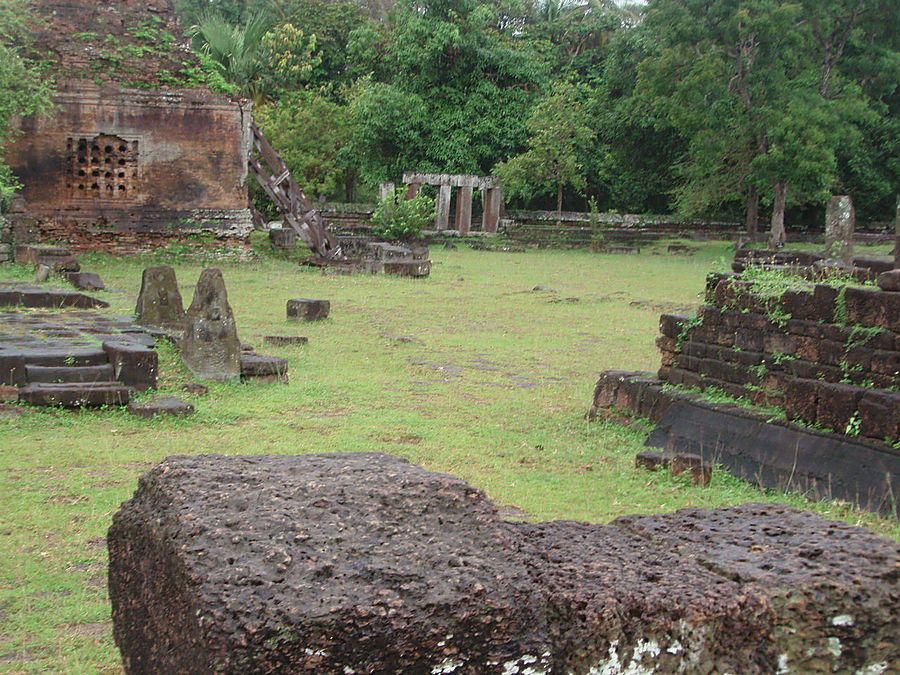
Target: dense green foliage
x,y
402,219
23,90
760,108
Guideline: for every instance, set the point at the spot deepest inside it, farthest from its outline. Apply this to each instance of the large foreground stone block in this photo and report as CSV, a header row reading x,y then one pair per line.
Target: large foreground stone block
x,y
364,563
834,587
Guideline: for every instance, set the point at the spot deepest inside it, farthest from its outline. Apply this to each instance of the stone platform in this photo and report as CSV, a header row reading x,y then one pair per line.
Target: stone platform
x,y
365,563
57,341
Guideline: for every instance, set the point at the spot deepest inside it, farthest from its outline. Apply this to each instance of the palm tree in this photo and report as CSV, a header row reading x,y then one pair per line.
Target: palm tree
x,y
236,48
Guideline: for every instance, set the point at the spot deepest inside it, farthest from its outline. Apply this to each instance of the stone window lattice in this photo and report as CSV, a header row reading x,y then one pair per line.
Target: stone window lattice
x,y
104,167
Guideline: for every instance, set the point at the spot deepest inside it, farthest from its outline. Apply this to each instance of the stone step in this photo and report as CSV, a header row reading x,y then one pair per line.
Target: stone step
x,y
70,374
62,356
75,395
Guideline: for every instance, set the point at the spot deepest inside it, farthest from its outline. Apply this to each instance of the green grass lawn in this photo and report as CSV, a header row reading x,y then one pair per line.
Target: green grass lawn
x,y
469,372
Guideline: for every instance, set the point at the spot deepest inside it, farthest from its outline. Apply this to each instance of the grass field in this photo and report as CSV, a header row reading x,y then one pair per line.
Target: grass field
x,y
469,372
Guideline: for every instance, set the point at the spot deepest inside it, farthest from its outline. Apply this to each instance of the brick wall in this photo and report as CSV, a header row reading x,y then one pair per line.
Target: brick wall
x,y
831,357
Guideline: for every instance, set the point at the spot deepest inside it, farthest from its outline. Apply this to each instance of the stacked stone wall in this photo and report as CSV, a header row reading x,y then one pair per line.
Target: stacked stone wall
x,y
6,241
845,343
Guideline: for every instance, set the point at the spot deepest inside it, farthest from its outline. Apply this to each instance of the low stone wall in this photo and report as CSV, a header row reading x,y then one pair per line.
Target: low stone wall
x,y
364,563
751,445
753,347
6,240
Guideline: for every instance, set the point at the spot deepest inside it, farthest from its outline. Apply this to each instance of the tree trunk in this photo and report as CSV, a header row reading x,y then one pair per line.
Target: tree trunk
x,y
558,203
777,235
751,222
897,236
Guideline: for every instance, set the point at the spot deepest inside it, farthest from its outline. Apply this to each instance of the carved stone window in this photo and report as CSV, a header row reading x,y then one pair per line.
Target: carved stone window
x,y
102,168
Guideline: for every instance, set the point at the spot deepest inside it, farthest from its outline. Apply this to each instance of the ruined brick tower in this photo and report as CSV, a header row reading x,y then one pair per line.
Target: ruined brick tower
x,y
136,146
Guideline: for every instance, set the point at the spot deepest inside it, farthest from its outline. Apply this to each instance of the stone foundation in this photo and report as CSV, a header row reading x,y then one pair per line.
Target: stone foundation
x,y
754,348
364,563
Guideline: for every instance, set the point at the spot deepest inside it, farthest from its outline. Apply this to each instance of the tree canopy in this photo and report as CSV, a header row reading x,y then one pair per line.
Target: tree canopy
x,y
701,107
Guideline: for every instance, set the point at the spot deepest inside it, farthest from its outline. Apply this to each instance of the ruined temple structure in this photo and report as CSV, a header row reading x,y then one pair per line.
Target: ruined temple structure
x,y
136,148
491,194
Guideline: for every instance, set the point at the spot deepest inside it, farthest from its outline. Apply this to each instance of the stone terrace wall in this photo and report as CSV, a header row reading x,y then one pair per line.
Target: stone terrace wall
x,y
831,357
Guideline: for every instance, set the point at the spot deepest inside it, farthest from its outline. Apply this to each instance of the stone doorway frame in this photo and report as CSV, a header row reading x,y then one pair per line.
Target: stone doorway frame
x,y
491,194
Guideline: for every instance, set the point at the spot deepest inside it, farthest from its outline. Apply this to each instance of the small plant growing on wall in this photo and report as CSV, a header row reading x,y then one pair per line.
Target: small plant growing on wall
x,y
401,219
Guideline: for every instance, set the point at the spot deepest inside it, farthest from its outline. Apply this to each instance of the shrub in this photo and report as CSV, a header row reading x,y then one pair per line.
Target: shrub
x,y
398,218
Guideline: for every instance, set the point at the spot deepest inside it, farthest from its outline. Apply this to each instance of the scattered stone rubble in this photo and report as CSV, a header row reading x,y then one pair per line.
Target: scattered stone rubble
x,y
364,563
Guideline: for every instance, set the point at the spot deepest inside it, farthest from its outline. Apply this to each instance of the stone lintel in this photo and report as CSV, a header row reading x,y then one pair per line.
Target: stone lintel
x,y
453,180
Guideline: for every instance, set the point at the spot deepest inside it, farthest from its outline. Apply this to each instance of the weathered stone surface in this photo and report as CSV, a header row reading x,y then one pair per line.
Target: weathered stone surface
x,y
57,258
781,456
12,368
133,364
306,309
42,273
699,470
653,460
385,252
75,395
283,239
840,221
85,281
834,587
285,340
210,347
365,563
159,303
195,389
412,268
889,281
162,405
264,368
28,295
8,393
101,373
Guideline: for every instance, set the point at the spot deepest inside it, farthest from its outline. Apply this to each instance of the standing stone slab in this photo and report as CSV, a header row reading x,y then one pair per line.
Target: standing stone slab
x,y
210,347
306,309
159,303
364,563
840,221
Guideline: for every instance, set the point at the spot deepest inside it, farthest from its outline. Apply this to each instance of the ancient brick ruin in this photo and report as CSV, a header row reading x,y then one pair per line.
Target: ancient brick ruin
x,y
134,145
829,356
365,563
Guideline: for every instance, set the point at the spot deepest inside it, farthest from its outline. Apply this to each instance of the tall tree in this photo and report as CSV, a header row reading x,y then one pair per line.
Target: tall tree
x,y
559,129
753,84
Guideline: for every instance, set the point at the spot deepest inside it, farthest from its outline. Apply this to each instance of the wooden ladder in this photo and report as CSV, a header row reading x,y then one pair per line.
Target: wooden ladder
x,y
275,178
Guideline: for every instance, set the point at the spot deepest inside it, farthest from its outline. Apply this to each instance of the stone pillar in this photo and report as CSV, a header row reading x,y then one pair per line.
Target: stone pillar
x,y
897,237
840,220
442,208
385,190
493,203
210,347
463,210
413,190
